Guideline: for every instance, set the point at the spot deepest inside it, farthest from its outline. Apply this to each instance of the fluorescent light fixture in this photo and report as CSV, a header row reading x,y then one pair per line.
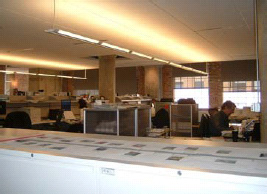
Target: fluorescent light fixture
x,y
160,60
46,75
7,72
115,47
175,65
107,45
187,68
201,72
65,76
30,61
79,78
141,55
72,35
25,73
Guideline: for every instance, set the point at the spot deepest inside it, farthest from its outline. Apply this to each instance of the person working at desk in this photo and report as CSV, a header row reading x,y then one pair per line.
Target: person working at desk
x,y
78,126
220,121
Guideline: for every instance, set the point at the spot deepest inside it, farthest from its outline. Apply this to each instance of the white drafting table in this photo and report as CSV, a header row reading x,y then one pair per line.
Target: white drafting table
x,y
34,161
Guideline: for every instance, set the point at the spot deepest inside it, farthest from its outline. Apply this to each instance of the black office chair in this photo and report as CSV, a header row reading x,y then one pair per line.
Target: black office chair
x,y
204,129
18,119
161,119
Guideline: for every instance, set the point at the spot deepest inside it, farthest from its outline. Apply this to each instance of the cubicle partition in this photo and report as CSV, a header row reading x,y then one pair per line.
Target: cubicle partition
x,y
124,121
44,106
182,119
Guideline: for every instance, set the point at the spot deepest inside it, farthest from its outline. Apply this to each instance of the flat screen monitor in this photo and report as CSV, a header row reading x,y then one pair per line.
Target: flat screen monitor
x,y
2,107
66,105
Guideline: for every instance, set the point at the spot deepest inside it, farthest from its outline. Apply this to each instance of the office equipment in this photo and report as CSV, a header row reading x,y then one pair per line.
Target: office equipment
x,y
66,105
53,114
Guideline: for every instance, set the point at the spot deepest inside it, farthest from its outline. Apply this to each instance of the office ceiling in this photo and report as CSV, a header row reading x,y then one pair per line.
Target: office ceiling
x,y
181,31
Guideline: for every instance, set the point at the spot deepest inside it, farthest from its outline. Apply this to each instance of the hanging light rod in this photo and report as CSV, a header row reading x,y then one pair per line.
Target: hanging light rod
x,y
40,74
65,76
141,55
72,35
115,47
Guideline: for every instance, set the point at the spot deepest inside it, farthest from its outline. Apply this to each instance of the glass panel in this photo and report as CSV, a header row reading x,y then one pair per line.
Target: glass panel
x,y
241,99
185,82
201,96
205,81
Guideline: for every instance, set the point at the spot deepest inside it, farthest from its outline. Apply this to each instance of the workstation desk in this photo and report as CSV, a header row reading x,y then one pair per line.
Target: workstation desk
x,y
58,162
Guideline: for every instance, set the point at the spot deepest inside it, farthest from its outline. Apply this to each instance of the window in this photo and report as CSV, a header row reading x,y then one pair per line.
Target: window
x,y
192,87
242,93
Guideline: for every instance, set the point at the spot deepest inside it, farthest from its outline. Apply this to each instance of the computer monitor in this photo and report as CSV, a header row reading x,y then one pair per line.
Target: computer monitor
x,y
2,107
66,105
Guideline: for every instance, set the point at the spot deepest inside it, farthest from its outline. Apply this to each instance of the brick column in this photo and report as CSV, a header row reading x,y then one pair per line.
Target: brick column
x,y
262,46
167,81
152,81
215,85
140,77
2,79
107,77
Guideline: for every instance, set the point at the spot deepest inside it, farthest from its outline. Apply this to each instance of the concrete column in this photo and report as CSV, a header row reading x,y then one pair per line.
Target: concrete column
x,y
140,77
107,77
215,85
152,81
2,80
262,47
167,82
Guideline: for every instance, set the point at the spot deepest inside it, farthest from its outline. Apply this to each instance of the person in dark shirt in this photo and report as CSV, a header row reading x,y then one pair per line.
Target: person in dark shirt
x,y
220,121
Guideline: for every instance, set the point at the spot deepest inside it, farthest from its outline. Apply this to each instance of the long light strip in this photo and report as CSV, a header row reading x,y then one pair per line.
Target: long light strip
x,y
25,73
72,35
46,75
7,72
40,74
160,60
79,77
115,47
107,45
141,55
30,61
65,76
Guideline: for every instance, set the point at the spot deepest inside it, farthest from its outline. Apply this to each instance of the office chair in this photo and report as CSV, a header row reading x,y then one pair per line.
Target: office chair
x,y
18,119
204,129
161,119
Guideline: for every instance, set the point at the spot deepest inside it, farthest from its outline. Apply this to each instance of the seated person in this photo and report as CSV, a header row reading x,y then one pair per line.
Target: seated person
x,y
161,119
78,126
220,121
82,106
213,111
